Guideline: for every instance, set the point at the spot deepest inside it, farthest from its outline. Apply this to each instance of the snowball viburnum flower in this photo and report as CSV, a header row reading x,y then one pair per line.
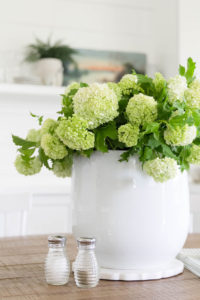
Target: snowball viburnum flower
x,y
30,167
180,136
74,134
141,109
116,88
97,104
192,94
63,168
128,84
159,81
128,134
53,147
48,126
161,169
33,136
176,88
194,157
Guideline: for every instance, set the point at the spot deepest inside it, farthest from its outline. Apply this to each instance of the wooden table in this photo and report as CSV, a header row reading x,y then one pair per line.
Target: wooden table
x,y
22,277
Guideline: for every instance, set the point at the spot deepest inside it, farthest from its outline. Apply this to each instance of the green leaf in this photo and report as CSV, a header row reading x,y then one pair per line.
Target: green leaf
x,y
102,133
196,117
125,155
44,159
153,142
27,152
181,70
181,120
185,152
168,152
83,84
180,106
144,79
147,154
87,152
72,92
191,65
67,108
151,128
40,118
23,143
197,141
146,84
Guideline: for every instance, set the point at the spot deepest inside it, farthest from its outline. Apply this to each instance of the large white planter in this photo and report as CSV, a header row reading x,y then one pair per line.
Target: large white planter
x,y
138,223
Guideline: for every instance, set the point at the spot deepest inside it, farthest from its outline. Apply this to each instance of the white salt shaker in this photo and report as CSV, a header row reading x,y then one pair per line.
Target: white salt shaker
x,y
57,266
86,270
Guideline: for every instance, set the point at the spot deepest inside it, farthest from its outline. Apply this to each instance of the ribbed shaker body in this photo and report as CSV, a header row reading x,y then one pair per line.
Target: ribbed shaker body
x,y
86,270
57,265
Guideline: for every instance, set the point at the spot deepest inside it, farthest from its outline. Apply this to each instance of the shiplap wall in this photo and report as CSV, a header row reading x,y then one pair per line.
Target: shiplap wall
x,y
189,28
46,206
126,25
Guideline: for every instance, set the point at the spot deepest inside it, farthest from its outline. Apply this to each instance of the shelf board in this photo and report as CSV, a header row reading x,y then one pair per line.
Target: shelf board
x,y
32,90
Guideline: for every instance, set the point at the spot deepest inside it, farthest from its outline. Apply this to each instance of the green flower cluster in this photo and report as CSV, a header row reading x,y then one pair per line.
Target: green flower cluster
x,y
180,136
192,94
128,84
49,126
141,109
30,167
159,82
63,168
176,88
53,147
116,88
194,157
161,169
34,136
74,134
97,104
128,134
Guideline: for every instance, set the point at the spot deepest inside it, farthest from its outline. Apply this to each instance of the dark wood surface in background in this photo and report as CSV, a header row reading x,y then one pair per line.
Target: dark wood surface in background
x,y
22,277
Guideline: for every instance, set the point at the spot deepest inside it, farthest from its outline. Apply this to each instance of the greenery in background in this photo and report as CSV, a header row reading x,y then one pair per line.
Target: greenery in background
x,y
49,49
155,119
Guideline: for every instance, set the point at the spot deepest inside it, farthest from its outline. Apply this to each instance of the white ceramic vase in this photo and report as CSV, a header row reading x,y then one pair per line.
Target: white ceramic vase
x,y
50,71
138,223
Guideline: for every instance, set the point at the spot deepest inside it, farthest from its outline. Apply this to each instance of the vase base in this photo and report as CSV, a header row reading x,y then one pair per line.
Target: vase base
x,y
175,267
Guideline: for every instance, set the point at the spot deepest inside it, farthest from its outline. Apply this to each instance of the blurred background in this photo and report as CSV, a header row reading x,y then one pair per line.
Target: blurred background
x,y
45,45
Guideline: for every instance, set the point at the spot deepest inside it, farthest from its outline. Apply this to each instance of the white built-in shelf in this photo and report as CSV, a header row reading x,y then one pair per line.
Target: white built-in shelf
x,y
32,90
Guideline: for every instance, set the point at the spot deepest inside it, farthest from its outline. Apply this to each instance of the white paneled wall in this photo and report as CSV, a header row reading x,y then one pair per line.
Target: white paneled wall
x,y
45,207
189,28
50,213
14,209
127,25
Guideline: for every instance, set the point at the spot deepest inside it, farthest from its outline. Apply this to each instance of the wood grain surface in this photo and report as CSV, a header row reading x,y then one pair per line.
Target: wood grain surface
x,y
22,277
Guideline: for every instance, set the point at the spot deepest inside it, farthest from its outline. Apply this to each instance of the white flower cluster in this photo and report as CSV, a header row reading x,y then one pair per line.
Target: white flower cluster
x,y
176,88
180,136
192,94
128,84
97,104
161,169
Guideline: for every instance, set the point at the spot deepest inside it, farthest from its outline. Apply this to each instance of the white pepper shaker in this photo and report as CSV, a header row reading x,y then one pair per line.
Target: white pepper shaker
x,y
57,265
86,270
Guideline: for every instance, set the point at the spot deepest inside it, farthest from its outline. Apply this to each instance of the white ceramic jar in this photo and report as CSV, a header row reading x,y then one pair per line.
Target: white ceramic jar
x,y
137,222
50,71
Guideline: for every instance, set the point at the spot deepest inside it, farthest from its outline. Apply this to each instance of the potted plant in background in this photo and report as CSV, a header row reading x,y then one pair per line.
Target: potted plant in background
x,y
51,59
130,144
